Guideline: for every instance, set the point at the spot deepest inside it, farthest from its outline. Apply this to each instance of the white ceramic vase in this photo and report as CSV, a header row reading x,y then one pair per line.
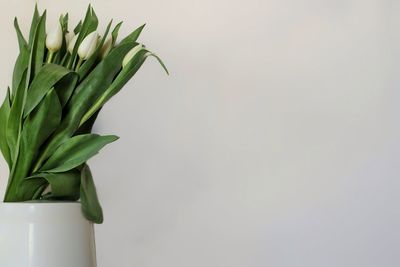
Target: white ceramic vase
x,y
45,235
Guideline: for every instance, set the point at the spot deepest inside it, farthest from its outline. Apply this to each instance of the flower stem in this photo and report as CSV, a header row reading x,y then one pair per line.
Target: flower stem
x,y
50,57
80,61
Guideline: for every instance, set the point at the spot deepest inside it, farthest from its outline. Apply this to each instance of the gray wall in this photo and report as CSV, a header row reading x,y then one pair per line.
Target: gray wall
x,y
274,142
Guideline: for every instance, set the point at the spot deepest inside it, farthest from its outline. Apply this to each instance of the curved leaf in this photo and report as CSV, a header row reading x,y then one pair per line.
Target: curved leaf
x,y
48,76
21,66
76,151
34,23
65,87
38,126
38,45
21,40
133,36
91,207
4,113
15,118
114,34
64,185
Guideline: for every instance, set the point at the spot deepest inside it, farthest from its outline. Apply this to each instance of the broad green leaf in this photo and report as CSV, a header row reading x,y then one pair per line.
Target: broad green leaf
x,y
88,65
76,151
87,126
114,34
78,27
21,66
38,126
34,23
91,207
46,79
15,118
133,36
21,40
38,193
38,46
4,113
19,190
65,87
63,185
85,95
64,22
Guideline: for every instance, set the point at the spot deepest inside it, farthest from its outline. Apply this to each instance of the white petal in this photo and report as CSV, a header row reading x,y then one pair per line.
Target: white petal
x,y
54,39
88,46
106,48
131,54
68,37
72,43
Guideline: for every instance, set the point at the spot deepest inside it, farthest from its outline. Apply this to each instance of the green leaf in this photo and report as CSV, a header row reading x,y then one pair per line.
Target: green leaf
x,y
49,75
78,27
159,61
91,207
133,36
38,126
15,118
65,87
64,185
85,95
4,113
21,40
64,22
21,66
87,126
114,34
38,46
34,23
76,151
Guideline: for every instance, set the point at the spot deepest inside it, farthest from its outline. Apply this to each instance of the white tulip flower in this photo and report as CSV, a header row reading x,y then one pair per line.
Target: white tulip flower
x,y
88,46
131,54
72,43
68,38
106,48
54,39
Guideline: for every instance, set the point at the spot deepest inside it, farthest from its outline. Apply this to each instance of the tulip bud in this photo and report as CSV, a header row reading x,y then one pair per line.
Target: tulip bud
x,y
72,43
68,38
131,54
106,48
88,46
54,39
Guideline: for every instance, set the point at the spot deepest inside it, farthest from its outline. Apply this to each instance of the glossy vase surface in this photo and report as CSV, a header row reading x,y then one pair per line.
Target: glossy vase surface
x,y
45,234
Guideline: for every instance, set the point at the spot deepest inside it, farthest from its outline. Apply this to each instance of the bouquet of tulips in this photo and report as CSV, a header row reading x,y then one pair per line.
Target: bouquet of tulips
x,y
60,82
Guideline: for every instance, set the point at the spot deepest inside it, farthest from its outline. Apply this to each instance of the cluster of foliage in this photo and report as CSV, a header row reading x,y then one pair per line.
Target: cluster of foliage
x,y
61,80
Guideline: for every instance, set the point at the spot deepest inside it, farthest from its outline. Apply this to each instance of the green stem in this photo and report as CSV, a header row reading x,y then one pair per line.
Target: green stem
x,y
80,61
50,56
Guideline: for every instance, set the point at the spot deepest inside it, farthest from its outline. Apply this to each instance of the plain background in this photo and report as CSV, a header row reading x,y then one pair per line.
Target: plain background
x,y
274,141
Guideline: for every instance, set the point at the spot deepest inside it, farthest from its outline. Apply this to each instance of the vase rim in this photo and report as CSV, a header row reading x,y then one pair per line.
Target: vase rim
x,y
34,202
